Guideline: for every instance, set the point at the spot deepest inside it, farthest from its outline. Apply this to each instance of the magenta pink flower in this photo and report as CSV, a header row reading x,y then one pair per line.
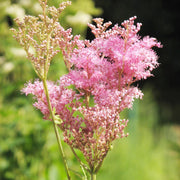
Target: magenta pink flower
x,y
105,70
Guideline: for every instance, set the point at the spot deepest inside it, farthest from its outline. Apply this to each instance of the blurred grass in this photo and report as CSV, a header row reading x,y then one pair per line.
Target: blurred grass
x,y
28,148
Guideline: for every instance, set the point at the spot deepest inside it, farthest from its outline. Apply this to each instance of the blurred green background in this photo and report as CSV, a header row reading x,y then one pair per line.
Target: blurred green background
x,y
28,148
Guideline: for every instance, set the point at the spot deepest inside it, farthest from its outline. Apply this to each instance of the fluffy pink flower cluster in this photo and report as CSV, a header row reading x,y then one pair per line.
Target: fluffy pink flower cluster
x,y
105,70
114,60
59,95
94,132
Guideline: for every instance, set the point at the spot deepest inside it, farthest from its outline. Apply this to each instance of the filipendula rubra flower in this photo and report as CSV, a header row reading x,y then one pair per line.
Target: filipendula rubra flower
x,y
104,70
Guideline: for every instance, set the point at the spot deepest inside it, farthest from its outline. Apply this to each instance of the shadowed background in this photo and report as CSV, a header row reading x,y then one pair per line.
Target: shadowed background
x,y
28,148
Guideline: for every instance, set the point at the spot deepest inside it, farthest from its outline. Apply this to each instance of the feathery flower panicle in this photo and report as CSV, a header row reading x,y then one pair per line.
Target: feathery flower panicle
x,y
93,133
43,37
113,61
104,69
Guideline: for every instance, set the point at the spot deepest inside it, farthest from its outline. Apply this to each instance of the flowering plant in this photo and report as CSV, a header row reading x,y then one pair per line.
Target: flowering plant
x,y
102,72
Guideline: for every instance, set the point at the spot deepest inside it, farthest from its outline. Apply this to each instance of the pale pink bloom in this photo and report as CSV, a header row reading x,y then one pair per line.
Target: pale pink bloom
x,y
104,69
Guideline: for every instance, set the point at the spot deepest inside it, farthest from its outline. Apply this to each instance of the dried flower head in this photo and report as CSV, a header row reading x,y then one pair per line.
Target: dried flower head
x,y
41,36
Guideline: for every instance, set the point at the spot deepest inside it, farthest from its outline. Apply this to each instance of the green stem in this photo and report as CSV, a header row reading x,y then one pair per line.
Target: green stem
x,y
79,160
93,176
56,129
100,164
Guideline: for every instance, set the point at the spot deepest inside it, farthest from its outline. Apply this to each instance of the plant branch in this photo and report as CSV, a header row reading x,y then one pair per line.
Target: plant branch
x,y
56,129
79,160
